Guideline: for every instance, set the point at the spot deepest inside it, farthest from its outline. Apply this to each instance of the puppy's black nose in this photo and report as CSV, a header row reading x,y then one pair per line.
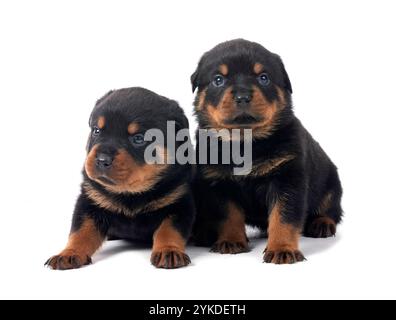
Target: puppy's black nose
x,y
103,161
243,97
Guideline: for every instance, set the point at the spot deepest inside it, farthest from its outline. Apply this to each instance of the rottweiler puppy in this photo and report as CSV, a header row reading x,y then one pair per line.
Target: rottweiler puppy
x,y
293,187
123,196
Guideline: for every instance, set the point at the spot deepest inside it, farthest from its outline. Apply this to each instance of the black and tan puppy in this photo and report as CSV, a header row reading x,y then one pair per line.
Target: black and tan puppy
x,y
123,196
293,187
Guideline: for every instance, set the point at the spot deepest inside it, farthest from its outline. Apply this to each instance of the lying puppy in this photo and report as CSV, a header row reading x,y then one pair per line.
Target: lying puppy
x,y
123,196
293,186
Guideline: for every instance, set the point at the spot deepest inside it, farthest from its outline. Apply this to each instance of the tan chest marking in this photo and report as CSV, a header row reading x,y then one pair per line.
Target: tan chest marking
x,y
107,203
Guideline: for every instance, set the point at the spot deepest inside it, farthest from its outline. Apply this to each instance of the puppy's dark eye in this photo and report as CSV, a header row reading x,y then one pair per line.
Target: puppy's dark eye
x,y
95,131
263,79
137,140
218,80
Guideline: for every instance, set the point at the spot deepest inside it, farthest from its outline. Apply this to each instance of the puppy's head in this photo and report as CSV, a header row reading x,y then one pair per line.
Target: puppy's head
x,y
241,85
116,146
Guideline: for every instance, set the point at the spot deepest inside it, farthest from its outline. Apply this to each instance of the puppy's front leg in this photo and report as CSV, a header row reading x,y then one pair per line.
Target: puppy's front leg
x,y
232,237
169,247
283,237
84,240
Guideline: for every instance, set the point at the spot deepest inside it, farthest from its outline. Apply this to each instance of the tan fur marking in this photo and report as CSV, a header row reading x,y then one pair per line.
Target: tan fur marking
x,y
201,100
85,241
214,115
223,69
225,109
133,128
267,110
168,238
127,174
260,106
281,96
233,228
258,68
132,177
261,169
325,220
90,161
109,204
267,166
167,200
101,122
281,236
104,202
213,173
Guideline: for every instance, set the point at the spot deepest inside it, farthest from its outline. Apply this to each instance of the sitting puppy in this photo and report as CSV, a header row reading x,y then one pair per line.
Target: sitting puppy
x,y
123,196
293,186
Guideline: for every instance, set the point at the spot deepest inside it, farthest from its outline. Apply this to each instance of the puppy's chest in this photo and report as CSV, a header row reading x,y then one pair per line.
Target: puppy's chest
x,y
139,228
261,167
132,207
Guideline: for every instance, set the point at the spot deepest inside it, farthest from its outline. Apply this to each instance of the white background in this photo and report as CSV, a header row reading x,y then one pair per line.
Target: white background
x,y
58,57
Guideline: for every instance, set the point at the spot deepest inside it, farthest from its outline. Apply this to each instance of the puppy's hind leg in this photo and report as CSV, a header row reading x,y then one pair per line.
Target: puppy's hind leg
x,y
323,222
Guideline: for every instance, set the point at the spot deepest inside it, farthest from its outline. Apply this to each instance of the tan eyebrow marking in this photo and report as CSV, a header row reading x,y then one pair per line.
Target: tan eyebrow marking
x,y
258,68
101,122
223,69
133,128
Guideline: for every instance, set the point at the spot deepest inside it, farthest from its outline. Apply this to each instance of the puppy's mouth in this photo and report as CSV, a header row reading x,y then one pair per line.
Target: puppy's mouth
x,y
105,180
244,119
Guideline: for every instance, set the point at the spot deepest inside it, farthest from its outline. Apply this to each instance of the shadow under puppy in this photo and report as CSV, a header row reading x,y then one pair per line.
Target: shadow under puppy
x,y
123,196
293,186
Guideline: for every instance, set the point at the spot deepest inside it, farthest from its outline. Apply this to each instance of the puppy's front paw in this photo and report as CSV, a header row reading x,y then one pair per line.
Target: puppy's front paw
x,y
229,247
68,259
170,259
283,256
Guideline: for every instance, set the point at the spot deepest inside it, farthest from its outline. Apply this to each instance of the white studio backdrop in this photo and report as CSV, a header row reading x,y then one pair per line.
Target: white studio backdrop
x,y
58,57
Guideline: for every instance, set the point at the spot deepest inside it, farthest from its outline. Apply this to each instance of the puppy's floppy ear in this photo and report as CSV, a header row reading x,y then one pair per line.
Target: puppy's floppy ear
x,y
286,79
194,80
